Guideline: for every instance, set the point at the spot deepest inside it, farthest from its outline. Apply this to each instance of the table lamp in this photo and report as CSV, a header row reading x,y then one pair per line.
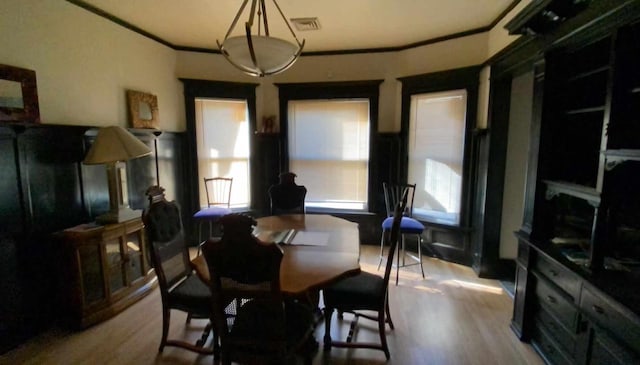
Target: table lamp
x,y
114,146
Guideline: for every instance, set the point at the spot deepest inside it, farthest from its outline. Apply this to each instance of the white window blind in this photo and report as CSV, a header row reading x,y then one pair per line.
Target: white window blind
x,y
329,151
436,152
222,133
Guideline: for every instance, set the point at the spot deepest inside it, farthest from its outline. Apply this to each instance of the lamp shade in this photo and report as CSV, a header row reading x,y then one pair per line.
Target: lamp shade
x,y
114,144
260,54
273,55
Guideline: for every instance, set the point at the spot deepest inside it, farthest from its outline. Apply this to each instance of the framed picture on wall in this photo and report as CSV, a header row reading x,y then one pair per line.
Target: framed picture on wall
x,y
143,110
18,95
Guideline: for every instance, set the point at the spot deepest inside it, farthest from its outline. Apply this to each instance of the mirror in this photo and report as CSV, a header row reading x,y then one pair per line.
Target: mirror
x,y
143,109
18,95
11,94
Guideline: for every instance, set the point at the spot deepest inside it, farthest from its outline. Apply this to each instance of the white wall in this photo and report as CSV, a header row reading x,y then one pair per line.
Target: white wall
x,y
84,64
499,37
516,164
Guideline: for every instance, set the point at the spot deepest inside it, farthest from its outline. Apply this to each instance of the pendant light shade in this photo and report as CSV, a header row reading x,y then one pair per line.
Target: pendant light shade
x,y
260,54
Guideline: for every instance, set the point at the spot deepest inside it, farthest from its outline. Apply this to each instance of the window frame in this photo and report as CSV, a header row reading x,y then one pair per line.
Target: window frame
x,y
463,78
368,89
193,89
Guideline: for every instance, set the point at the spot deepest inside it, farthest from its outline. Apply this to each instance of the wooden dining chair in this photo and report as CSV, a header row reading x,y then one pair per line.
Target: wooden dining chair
x,y
180,288
287,197
245,286
364,292
408,226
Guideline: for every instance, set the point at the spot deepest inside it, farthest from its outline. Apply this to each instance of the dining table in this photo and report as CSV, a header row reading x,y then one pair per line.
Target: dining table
x,y
320,250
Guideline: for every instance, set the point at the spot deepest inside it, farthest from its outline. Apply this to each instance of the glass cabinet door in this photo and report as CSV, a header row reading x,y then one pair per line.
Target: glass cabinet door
x,y
91,273
135,265
115,264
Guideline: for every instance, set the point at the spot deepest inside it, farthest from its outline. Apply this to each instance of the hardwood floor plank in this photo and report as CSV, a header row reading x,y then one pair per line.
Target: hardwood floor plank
x,y
450,317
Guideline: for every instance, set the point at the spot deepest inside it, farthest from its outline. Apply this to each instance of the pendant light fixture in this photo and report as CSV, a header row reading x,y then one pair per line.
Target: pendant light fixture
x,y
259,54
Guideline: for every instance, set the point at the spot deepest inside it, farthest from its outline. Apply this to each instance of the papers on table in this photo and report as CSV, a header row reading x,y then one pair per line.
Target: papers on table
x,y
307,238
293,237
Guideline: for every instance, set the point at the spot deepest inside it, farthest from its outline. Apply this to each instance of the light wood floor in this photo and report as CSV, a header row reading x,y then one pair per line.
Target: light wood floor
x,y
450,317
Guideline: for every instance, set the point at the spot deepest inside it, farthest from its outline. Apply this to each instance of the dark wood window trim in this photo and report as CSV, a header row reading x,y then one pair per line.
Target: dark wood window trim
x,y
368,89
211,89
463,78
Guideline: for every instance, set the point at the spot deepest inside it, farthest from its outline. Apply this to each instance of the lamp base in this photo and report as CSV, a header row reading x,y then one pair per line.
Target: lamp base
x,y
121,215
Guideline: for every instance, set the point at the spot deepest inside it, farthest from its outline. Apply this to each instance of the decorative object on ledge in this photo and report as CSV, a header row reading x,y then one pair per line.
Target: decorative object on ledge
x,y
542,16
259,55
18,95
143,109
114,146
268,124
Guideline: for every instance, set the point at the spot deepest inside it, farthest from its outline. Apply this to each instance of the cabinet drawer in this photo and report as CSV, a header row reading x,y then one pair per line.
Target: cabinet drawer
x,y
605,350
554,301
559,275
548,347
563,337
607,316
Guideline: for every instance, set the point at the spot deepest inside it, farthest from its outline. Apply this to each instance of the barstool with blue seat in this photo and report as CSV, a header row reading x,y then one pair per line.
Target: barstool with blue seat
x,y
408,225
218,190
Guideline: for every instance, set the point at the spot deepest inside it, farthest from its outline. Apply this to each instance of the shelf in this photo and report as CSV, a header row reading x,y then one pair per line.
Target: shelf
x,y
587,193
585,110
616,157
588,73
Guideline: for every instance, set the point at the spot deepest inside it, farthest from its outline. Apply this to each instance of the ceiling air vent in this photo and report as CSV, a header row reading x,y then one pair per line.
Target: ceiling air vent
x,y
303,24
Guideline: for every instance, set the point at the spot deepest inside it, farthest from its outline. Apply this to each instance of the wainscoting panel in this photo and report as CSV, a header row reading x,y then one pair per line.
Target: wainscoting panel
x,y
45,188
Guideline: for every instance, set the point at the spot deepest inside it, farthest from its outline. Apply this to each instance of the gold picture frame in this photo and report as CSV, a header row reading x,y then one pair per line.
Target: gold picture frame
x,y
143,110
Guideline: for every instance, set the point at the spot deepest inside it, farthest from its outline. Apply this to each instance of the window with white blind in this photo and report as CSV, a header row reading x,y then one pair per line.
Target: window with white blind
x,y
222,133
436,154
329,151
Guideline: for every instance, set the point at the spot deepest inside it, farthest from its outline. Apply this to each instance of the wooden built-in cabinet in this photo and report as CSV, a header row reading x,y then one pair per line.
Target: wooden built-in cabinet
x,y
578,263
105,270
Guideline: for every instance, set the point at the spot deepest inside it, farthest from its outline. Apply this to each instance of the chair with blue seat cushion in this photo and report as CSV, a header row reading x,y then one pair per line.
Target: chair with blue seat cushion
x,y
364,292
218,191
180,288
408,225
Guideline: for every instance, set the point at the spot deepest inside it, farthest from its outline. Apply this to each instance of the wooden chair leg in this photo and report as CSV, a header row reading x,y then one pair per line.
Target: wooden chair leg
x,y
328,313
205,334
383,334
166,318
388,316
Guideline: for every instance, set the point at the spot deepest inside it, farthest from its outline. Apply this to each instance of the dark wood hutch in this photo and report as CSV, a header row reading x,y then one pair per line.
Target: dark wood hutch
x,y
578,265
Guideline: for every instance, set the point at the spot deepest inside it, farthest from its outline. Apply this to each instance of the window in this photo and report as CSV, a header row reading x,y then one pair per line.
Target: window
x,y
328,144
222,135
327,129
436,154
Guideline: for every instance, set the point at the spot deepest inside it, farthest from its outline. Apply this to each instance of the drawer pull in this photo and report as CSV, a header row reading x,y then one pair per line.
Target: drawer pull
x,y
551,299
597,309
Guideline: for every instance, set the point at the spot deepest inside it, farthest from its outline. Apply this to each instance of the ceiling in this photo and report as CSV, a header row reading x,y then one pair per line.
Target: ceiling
x,y
345,25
